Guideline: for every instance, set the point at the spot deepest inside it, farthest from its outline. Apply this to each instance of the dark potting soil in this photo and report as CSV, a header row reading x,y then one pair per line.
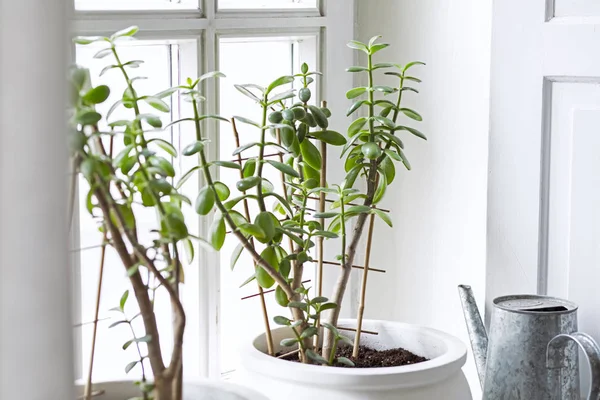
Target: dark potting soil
x,y
371,358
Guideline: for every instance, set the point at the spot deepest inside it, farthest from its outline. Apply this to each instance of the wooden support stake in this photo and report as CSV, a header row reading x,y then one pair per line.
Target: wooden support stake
x,y
349,204
266,292
263,304
280,155
355,266
87,393
320,239
363,289
343,328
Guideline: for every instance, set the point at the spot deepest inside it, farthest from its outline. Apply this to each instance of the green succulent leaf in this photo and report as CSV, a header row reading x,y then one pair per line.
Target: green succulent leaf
x,y
311,154
157,103
353,93
286,169
97,95
217,232
205,200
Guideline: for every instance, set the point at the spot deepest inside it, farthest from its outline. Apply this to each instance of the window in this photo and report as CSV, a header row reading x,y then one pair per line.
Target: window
x,y
250,41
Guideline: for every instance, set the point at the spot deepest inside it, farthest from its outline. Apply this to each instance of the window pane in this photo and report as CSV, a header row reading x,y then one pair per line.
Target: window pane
x,y
161,68
267,4
265,60
107,5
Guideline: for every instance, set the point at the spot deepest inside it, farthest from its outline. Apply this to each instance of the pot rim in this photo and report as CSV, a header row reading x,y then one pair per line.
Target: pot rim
x,y
437,369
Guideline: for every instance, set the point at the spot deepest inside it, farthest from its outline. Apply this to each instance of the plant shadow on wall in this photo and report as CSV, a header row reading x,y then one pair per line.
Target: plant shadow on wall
x,y
285,234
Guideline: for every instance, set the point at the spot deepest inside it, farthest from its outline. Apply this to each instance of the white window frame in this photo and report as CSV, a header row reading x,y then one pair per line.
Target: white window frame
x,y
332,22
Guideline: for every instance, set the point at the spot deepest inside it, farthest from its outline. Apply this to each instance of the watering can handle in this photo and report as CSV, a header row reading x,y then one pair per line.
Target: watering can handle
x,y
592,353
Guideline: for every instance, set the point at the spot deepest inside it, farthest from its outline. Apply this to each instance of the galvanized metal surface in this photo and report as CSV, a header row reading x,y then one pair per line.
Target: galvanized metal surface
x,y
526,332
477,333
554,357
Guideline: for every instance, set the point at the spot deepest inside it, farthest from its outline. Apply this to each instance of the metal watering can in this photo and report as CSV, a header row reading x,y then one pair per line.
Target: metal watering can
x,y
532,352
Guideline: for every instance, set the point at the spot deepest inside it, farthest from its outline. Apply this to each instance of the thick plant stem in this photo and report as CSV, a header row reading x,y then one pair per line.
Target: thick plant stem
x,y
363,288
261,293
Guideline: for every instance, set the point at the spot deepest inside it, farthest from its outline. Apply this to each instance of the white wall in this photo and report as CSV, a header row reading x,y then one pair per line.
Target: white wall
x,y
439,208
35,321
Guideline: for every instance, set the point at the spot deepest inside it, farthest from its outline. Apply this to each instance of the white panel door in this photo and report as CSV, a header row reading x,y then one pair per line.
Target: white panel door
x,y
544,172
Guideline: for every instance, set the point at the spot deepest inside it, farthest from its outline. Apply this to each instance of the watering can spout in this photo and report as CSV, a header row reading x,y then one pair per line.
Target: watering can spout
x,y
477,333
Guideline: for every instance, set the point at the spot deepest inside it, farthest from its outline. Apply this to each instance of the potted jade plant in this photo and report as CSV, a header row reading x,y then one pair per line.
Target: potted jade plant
x,y
123,186
315,354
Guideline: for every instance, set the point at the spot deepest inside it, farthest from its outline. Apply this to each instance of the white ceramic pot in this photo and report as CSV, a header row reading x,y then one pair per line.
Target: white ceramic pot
x,y
195,390
439,378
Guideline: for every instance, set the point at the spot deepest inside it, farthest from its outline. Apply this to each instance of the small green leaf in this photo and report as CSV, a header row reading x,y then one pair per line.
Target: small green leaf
x,y
205,200
355,44
345,361
130,31
247,183
117,323
309,332
286,169
97,95
353,93
87,117
157,103
186,176
280,296
188,246
217,232
283,321
380,191
326,234
152,120
193,148
264,220
298,304
356,126
227,164
375,48
316,357
86,39
253,230
245,147
413,131
311,154
284,80
249,168
235,256
246,92
332,328
144,339
320,117
355,106
123,300
357,69
289,342
327,306
166,146
222,191
325,215
411,64
130,366
246,121
412,114
330,137
212,74
384,216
